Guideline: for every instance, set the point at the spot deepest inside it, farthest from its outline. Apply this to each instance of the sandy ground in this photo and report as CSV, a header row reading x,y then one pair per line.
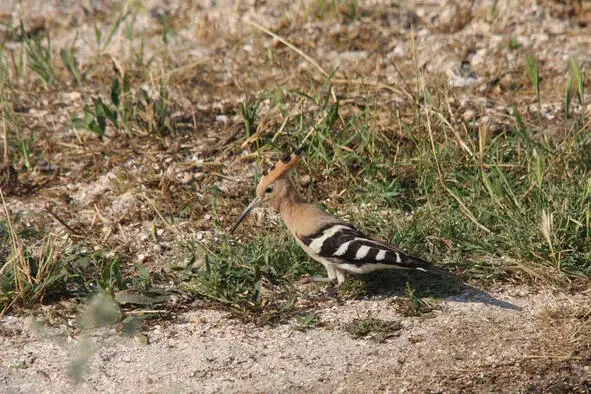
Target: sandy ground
x,y
508,341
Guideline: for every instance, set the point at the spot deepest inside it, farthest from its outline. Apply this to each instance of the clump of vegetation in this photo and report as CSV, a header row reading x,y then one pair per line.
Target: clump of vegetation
x,y
38,267
252,279
376,329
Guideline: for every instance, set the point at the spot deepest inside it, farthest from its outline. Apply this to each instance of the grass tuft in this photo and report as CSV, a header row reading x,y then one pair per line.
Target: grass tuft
x,y
39,57
253,280
531,64
376,329
27,276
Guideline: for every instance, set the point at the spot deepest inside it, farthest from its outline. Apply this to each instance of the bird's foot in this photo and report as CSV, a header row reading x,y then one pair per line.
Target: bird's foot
x,y
326,295
315,279
331,292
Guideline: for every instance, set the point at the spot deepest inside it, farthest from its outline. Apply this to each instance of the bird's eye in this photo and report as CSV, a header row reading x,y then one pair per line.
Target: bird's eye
x,y
268,189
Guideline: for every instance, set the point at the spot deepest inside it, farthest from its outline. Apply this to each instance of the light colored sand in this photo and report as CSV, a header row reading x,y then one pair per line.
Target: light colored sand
x,y
467,345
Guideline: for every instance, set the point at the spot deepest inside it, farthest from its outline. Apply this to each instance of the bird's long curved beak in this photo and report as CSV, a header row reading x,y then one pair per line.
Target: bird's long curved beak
x,y
244,214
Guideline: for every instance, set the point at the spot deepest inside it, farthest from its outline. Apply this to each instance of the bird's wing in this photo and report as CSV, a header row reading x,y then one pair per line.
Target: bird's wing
x,y
341,242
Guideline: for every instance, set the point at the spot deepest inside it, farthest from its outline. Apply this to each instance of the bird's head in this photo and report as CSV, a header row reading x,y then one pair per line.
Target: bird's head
x,y
273,186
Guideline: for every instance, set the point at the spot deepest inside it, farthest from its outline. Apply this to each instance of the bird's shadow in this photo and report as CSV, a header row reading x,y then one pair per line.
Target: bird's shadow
x,y
398,283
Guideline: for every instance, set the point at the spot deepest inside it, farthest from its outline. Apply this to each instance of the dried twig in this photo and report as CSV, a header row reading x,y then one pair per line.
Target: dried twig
x,y
62,222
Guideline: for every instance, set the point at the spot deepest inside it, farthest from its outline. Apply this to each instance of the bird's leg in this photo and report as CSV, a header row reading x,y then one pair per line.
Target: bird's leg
x,y
340,277
330,270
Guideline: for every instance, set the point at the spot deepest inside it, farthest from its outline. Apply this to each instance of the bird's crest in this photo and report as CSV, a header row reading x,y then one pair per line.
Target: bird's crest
x,y
283,166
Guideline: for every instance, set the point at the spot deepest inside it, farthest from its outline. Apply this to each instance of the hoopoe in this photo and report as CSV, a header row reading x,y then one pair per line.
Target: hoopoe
x,y
337,245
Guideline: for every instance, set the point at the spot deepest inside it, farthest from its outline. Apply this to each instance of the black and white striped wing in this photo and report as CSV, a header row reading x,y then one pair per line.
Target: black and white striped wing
x,y
343,243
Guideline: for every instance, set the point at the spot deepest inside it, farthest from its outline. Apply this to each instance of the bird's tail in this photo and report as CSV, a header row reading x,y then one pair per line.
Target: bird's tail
x,y
425,266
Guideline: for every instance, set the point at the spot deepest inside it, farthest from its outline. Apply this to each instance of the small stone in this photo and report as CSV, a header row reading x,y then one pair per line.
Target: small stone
x,y
68,97
306,180
186,178
469,115
45,167
222,119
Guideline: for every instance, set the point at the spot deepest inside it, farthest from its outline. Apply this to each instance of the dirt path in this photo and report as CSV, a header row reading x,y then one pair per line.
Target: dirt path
x,y
530,343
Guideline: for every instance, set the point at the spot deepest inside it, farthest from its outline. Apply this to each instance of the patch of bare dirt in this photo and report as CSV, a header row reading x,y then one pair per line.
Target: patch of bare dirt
x,y
509,341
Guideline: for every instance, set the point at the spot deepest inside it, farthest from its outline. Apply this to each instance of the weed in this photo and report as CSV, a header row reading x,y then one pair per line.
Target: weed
x,y
27,276
500,203
325,6
467,201
47,269
378,330
6,72
531,65
25,146
101,44
253,278
165,28
306,321
39,57
248,110
95,117
415,306
142,63
163,124
575,78
120,111
514,44
71,65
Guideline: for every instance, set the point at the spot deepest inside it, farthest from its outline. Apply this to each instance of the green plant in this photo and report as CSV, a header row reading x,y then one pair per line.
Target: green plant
x,y
71,65
118,111
531,64
27,275
459,197
6,72
248,110
39,57
514,44
575,77
416,306
111,278
165,28
253,279
306,321
378,330
101,44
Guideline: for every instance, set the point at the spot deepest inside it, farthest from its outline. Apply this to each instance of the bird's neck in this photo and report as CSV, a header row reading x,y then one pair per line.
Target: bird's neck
x,y
290,206
290,202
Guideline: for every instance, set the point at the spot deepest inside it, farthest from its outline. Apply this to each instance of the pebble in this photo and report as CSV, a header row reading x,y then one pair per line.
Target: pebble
x,y
306,180
469,115
222,119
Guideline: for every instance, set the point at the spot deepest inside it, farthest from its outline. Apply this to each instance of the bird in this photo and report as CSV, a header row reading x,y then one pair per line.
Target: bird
x,y
339,246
